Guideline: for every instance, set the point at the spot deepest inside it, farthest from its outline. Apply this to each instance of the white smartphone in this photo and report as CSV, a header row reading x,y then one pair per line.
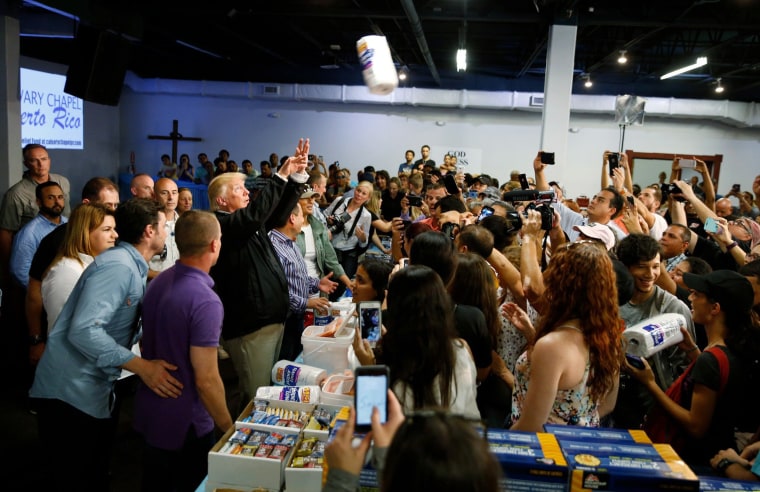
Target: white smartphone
x,y
687,163
370,391
370,321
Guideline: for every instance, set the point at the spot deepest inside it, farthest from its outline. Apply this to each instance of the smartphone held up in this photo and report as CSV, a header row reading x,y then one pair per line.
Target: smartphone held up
x,y
370,321
370,392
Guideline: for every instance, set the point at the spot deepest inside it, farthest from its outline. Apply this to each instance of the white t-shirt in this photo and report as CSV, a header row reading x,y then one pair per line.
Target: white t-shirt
x,y
58,283
310,256
463,388
659,226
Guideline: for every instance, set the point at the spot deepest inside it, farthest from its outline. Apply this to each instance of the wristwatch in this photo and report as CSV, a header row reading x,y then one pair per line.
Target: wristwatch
x,y
36,339
724,463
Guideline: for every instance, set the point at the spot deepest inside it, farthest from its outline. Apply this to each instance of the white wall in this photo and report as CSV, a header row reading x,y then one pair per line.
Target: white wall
x,y
363,134
359,135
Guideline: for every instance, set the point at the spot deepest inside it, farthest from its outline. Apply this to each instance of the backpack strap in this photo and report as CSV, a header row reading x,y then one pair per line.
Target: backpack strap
x,y
723,366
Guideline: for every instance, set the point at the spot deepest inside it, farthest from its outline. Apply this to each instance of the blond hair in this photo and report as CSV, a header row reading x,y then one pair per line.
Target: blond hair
x,y
219,186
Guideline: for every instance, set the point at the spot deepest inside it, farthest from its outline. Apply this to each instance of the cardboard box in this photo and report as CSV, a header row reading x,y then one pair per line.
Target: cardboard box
x,y
720,484
243,472
288,405
598,434
530,461
303,479
597,465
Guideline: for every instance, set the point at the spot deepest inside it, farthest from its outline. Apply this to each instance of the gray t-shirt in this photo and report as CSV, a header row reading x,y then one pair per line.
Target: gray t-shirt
x,y
634,400
671,362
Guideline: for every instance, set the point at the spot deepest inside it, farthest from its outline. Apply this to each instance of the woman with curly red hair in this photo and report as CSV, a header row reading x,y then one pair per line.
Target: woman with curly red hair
x,y
569,374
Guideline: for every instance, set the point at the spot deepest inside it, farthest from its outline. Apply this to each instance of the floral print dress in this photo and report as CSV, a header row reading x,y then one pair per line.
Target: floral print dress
x,y
572,406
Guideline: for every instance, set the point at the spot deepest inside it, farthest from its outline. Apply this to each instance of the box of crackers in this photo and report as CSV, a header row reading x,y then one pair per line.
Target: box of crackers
x,y
530,461
625,466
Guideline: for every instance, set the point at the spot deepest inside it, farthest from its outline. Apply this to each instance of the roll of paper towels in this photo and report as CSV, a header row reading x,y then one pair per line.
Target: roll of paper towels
x,y
654,334
377,65
288,373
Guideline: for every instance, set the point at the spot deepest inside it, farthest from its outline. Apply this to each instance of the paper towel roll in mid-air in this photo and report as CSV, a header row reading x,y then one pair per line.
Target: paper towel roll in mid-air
x,y
377,64
654,334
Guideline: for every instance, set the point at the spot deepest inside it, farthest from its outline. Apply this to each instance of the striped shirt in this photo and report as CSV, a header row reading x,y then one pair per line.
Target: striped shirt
x,y
300,285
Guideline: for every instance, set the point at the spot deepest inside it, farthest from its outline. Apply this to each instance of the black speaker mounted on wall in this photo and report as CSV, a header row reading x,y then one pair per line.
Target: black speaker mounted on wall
x,y
98,65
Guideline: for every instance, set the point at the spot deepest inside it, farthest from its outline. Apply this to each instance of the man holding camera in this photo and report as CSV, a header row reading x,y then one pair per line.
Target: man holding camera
x,y
602,209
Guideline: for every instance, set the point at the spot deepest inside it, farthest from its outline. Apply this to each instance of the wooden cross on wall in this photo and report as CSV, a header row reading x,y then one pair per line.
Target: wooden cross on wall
x,y
175,136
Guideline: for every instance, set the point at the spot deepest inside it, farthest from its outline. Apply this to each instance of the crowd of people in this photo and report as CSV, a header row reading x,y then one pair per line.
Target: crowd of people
x,y
503,303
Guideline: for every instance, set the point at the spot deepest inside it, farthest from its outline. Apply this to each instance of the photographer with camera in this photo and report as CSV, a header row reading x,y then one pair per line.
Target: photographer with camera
x,y
349,222
602,209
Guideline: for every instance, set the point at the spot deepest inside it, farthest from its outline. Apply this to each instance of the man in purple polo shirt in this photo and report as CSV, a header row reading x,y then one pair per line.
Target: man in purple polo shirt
x,y
182,323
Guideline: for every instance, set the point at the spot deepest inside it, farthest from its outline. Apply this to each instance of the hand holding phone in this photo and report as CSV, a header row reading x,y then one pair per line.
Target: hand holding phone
x,y
635,361
547,158
370,321
687,163
486,211
414,200
370,391
613,160
712,226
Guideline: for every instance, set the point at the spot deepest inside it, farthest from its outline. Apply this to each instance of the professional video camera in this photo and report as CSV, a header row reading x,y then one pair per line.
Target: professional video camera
x,y
539,201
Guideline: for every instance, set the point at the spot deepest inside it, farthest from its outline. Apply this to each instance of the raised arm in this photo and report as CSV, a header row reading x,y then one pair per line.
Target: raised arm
x,y
538,169
708,187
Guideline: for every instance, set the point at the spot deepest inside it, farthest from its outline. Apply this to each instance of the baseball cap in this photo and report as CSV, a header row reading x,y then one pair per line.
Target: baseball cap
x,y
727,287
491,192
308,192
598,231
484,178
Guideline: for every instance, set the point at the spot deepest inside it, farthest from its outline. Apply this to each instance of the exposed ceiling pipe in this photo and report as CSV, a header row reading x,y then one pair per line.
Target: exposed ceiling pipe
x,y
414,20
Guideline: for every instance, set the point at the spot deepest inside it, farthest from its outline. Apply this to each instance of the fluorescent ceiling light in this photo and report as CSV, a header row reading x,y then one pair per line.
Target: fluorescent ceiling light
x,y
701,62
461,60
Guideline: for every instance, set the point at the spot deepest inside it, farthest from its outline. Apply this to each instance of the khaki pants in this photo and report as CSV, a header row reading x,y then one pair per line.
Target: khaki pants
x,y
253,357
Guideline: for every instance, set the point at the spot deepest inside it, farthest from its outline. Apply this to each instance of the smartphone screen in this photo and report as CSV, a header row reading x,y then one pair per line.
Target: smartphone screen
x,y
485,212
711,225
687,163
370,320
370,391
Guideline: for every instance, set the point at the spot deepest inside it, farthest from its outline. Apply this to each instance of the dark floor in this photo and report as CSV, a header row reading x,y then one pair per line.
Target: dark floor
x,y
18,437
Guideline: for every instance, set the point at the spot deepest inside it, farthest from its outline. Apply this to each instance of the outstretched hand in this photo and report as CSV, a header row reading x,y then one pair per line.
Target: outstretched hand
x,y
298,162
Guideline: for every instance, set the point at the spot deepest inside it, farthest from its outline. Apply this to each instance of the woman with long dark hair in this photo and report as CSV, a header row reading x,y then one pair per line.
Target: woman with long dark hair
x,y
429,365
474,284
569,373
